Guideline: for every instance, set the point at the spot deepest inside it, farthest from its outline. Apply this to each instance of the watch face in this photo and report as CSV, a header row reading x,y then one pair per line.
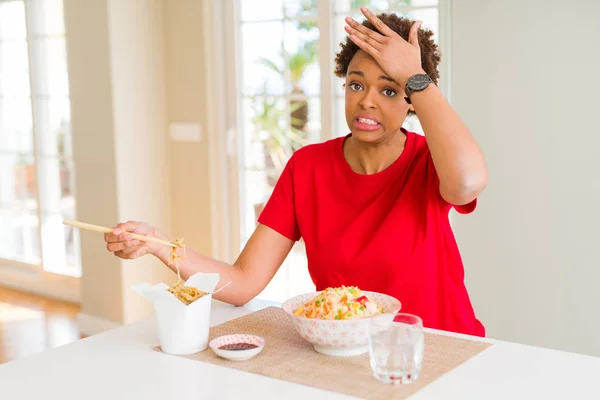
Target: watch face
x,y
418,82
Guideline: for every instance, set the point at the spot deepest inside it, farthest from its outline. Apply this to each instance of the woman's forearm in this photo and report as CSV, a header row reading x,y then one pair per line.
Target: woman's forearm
x,y
458,160
258,262
239,292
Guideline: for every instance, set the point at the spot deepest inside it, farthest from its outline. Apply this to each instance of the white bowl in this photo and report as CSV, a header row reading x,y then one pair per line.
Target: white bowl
x,y
237,355
337,337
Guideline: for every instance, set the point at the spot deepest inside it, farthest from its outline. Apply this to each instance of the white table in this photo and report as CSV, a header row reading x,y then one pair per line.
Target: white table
x,y
120,364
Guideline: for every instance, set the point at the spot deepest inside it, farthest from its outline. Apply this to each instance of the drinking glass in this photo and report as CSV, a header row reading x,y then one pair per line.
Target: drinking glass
x,y
396,345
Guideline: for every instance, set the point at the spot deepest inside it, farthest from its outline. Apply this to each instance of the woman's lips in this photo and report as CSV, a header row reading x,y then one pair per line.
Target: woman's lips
x,y
366,124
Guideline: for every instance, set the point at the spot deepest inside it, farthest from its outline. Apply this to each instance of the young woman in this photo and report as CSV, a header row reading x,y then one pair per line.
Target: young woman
x,y
372,207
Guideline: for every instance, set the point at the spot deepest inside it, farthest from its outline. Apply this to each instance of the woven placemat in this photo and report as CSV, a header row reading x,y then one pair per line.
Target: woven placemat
x,y
288,357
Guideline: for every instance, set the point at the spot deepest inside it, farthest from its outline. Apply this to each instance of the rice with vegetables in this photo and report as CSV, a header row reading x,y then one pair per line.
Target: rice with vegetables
x,y
342,303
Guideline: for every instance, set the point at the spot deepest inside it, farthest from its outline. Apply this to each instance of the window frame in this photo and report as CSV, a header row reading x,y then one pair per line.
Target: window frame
x,y
35,77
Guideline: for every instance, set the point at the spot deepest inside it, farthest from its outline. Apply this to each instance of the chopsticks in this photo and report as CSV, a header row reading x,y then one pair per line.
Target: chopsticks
x,y
102,229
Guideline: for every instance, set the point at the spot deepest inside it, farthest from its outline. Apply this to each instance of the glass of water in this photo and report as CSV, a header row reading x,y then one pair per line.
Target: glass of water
x,y
396,345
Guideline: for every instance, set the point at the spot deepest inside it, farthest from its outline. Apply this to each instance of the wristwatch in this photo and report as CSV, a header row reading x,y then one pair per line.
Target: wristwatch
x,y
416,83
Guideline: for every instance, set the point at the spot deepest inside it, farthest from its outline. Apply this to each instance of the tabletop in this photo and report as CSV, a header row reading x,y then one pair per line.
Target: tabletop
x,y
121,364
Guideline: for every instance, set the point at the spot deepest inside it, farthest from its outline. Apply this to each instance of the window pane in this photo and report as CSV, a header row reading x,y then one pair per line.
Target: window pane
x,y
19,233
257,190
338,83
339,34
344,6
12,20
429,16
268,9
53,127
15,140
72,244
52,79
262,59
14,74
341,127
301,55
412,124
401,3
16,114
49,184
15,126
20,226
47,17
17,182
313,126
292,278
67,184
266,148
413,3
300,8
255,185
268,128
60,244
379,5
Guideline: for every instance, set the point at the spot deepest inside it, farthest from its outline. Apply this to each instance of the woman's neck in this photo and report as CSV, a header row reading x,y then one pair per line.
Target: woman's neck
x,y
371,158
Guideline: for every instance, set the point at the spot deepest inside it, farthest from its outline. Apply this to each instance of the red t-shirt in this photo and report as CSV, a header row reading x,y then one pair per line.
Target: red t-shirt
x,y
387,232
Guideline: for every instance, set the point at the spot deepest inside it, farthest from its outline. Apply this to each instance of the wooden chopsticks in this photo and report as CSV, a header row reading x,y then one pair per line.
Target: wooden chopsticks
x,y
103,229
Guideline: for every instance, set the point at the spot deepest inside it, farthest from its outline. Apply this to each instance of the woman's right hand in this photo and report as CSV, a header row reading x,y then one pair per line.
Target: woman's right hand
x,y
123,245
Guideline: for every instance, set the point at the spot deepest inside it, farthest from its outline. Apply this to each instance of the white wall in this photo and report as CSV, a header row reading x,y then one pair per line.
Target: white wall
x,y
187,81
525,80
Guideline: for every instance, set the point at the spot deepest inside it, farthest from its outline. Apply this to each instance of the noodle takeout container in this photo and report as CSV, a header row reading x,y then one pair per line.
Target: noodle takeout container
x,y
182,329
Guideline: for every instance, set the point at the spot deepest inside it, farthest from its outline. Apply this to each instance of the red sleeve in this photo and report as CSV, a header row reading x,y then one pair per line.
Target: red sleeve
x,y
279,213
461,209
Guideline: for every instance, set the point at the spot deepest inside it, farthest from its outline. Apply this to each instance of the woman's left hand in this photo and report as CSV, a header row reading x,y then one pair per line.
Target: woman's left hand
x,y
398,58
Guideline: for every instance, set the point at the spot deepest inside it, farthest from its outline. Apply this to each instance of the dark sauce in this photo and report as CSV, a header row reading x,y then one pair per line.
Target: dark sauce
x,y
238,346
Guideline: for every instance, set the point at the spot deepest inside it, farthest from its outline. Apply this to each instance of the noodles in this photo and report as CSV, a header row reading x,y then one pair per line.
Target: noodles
x,y
185,294
174,258
345,302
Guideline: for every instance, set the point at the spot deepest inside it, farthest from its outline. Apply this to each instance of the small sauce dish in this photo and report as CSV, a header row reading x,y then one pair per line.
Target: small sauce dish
x,y
237,347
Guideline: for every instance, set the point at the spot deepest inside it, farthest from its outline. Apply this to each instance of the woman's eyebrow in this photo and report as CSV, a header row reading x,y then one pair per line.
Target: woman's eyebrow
x,y
360,73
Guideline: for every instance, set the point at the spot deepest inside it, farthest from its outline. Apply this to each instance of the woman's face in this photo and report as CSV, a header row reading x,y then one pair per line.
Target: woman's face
x,y
375,105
